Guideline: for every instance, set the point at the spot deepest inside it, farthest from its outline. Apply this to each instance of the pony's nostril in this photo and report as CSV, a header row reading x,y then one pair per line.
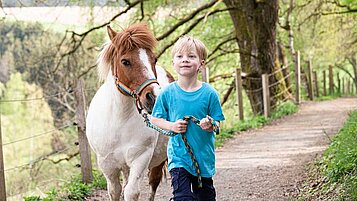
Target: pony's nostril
x,y
150,98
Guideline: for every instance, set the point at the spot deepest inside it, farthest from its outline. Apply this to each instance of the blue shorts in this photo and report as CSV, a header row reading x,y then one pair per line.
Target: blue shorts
x,y
183,182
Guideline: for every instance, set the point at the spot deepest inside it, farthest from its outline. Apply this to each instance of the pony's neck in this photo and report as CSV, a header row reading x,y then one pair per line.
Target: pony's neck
x,y
124,105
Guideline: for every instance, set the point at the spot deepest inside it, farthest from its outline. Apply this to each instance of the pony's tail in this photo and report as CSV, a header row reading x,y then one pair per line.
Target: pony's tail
x,y
103,64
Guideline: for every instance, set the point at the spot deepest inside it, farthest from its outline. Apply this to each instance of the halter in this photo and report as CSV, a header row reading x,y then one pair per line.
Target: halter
x,y
134,93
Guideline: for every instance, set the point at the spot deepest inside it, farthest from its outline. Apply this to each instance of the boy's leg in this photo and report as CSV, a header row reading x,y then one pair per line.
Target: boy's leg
x,y
181,184
207,192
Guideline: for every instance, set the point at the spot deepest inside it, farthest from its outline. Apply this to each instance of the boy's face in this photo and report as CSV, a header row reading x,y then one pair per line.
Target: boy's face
x,y
187,63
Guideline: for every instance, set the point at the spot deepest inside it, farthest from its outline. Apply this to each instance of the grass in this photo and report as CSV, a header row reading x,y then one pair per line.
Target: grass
x,y
75,189
334,177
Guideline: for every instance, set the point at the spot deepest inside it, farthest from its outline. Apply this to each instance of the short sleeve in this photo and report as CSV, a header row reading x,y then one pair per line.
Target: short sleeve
x,y
215,109
160,107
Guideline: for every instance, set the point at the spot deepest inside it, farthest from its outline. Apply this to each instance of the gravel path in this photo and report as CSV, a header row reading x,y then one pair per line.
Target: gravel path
x,y
268,163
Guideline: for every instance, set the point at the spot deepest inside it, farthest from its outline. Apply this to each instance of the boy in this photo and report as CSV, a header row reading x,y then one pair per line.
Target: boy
x,y
189,97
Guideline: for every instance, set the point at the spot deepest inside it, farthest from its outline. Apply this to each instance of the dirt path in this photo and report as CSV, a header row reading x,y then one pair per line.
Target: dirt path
x,y
268,163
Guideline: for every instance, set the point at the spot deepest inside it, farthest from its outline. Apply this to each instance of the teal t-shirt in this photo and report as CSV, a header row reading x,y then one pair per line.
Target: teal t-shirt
x,y
173,104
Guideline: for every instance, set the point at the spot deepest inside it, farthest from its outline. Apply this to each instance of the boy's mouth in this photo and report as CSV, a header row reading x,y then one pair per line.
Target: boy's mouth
x,y
185,66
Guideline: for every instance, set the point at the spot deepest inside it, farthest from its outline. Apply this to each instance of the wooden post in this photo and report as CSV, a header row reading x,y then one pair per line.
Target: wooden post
x,y
316,84
348,86
84,150
338,83
205,74
311,90
325,91
352,87
2,169
331,84
297,77
239,93
266,96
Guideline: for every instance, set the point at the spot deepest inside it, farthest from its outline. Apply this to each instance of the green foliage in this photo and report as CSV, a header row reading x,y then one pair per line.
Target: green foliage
x,y
329,97
77,190
74,189
30,140
339,164
33,198
285,108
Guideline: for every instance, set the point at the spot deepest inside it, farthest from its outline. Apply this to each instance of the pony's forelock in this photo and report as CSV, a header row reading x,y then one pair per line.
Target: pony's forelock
x,y
135,36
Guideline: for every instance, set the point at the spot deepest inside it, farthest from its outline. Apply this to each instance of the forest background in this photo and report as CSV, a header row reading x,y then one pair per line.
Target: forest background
x,y
46,46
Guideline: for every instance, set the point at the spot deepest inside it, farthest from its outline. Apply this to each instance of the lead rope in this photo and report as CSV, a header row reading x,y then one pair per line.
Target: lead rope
x,y
187,145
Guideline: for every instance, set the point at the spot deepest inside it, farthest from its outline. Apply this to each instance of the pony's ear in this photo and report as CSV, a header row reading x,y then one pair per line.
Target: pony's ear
x,y
111,32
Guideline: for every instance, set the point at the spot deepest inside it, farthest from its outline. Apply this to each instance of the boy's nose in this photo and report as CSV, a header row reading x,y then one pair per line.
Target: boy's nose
x,y
184,59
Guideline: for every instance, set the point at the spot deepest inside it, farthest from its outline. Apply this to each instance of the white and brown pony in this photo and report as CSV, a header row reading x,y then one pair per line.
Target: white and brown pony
x,y
115,128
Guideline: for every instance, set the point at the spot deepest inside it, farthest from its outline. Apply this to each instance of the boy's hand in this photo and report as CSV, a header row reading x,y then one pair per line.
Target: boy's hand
x,y
179,126
206,124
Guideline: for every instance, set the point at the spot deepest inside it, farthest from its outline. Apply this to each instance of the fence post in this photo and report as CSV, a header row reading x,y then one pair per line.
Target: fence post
x,y
331,84
205,74
325,92
311,90
2,169
84,150
297,77
266,96
348,86
239,93
338,83
316,84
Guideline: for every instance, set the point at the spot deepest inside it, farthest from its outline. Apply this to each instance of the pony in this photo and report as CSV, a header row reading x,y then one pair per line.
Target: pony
x,y
114,125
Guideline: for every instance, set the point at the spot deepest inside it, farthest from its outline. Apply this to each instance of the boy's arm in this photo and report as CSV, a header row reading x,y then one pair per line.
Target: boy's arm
x,y
179,126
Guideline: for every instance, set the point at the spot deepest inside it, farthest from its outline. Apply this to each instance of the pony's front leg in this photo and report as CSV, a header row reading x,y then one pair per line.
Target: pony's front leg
x,y
112,176
137,169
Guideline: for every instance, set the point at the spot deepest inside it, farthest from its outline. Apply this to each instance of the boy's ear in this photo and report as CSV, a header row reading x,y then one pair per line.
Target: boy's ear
x,y
203,63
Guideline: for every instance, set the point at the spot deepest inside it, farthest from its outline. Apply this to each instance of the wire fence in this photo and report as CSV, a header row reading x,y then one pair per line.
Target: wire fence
x,y
285,84
35,153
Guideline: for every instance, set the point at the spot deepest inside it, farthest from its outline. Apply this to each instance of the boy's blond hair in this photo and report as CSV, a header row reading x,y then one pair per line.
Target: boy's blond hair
x,y
186,43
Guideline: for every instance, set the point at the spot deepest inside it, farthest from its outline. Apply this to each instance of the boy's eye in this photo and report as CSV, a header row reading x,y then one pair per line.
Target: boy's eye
x,y
192,56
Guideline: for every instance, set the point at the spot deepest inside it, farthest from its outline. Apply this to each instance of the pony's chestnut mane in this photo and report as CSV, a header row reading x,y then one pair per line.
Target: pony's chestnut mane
x,y
135,36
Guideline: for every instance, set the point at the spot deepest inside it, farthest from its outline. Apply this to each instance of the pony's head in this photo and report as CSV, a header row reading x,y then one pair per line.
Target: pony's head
x,y
129,55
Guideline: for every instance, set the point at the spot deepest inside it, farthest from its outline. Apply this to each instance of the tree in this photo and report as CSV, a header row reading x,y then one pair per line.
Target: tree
x,y
255,24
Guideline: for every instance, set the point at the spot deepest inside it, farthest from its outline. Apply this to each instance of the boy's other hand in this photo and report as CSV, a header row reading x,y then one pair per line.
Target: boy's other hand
x,y
206,124
179,126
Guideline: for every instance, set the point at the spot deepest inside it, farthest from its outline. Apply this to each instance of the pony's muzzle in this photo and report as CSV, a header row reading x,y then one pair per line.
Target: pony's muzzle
x,y
149,102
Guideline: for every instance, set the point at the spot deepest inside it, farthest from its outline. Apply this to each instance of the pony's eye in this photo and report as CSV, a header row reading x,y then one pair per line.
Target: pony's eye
x,y
125,62
155,60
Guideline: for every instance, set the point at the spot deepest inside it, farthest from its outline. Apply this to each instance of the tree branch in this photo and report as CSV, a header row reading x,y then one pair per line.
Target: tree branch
x,y
186,19
229,91
188,29
220,45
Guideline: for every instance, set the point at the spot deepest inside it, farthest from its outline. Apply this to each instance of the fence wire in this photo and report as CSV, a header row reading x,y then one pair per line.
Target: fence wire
x,y
53,157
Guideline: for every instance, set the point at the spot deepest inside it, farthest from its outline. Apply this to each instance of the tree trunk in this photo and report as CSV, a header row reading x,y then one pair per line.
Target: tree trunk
x,y
255,25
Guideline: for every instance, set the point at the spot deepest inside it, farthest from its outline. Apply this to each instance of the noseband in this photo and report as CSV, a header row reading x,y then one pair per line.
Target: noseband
x,y
134,93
